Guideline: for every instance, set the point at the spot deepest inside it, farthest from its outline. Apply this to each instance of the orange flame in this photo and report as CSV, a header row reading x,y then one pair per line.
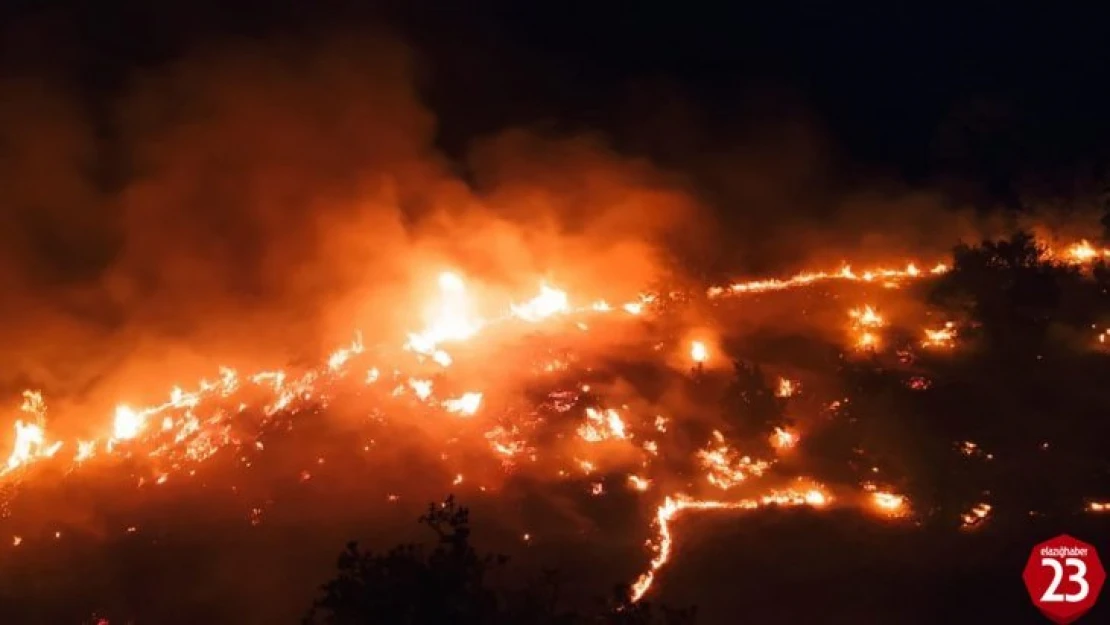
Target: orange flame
x,y
699,353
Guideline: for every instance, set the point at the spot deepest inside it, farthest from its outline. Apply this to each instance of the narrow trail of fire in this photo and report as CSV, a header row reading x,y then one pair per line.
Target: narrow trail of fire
x,y
192,426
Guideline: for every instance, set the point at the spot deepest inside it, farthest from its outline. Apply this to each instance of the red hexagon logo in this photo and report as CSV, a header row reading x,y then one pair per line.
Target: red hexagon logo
x,y
1064,577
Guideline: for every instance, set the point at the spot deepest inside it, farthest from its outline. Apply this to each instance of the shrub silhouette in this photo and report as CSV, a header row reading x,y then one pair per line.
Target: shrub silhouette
x,y
454,584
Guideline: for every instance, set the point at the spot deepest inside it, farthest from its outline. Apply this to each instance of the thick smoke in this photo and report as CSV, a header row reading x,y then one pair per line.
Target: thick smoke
x,y
255,204
273,200
791,196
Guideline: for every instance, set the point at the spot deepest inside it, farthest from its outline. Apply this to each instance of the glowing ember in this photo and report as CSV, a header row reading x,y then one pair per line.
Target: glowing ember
x,y
29,444
421,388
128,423
602,425
976,516
339,357
943,337
783,439
889,503
698,352
919,383
616,425
813,497
452,320
864,320
725,468
890,276
660,423
1084,252
866,317
634,308
867,340
85,450
467,404
786,388
549,302
663,543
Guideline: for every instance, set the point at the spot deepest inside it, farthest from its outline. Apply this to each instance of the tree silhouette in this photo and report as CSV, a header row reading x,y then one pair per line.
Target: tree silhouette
x,y
1008,289
403,585
1031,356
751,403
454,584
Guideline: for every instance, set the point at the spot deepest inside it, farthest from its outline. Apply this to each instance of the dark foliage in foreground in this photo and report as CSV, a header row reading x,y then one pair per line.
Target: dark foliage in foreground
x,y
1009,290
455,584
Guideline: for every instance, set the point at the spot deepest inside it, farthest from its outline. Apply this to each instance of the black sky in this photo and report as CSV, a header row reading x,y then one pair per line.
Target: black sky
x,y
988,92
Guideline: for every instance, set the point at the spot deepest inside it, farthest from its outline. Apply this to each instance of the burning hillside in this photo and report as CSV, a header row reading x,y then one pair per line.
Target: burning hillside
x,y
637,399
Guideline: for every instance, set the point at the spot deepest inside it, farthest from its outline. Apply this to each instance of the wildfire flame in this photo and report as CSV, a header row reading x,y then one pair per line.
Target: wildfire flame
x,y
467,404
783,438
864,321
943,337
699,353
786,388
187,428
1083,252
663,543
976,516
549,302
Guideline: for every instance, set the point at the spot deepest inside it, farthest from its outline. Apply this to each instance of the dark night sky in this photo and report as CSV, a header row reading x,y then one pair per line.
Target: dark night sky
x,y
1021,89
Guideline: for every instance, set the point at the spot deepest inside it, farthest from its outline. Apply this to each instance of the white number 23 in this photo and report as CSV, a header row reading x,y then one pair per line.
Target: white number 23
x,y
1079,577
